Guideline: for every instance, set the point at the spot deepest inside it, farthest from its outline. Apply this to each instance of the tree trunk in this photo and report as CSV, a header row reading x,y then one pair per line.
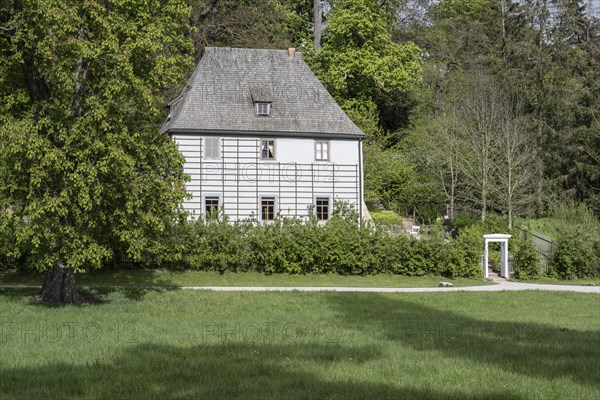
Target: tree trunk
x,y
317,18
59,287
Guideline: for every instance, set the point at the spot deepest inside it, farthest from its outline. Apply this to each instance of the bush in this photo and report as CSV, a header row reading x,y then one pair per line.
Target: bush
x,y
576,252
528,263
340,246
576,256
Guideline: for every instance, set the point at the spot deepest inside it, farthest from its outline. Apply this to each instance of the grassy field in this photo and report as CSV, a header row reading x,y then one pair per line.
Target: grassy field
x,y
165,278
176,344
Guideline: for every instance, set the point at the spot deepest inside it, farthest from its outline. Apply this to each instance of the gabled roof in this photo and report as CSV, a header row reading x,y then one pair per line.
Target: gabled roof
x,y
222,90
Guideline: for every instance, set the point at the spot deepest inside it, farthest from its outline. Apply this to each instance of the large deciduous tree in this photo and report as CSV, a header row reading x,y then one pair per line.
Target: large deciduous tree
x,y
360,64
84,174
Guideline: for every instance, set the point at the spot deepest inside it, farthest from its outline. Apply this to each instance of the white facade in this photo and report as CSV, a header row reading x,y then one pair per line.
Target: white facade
x,y
293,176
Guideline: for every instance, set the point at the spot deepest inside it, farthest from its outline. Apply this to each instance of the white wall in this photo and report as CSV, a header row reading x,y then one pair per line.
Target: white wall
x,y
239,178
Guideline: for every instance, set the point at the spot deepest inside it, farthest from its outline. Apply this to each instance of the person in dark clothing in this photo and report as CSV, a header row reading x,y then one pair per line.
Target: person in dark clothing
x,y
447,225
454,233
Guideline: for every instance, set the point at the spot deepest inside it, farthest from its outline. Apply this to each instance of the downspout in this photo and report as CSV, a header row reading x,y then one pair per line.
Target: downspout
x,y
360,184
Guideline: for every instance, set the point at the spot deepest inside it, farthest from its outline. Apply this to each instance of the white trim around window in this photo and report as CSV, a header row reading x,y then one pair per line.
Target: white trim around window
x,y
210,201
322,150
323,207
212,148
268,207
262,109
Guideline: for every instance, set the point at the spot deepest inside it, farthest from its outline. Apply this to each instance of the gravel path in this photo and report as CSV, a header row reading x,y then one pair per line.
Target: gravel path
x,y
501,285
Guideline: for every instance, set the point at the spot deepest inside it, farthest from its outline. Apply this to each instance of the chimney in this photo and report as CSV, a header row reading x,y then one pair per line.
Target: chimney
x,y
291,52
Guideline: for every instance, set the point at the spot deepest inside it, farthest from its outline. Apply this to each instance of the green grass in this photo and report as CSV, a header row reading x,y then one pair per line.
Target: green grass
x,y
386,217
175,344
546,226
166,278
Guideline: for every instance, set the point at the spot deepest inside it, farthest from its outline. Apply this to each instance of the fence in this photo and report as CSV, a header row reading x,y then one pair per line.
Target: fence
x,y
543,244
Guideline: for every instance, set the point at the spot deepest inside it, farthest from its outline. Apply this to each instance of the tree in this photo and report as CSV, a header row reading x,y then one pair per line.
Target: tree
x,y
317,21
359,63
84,175
437,149
518,164
266,24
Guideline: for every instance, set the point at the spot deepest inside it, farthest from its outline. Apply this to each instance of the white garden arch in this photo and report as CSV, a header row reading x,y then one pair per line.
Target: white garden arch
x,y
503,240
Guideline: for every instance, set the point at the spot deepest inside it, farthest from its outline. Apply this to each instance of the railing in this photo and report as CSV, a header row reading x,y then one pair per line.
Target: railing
x,y
543,244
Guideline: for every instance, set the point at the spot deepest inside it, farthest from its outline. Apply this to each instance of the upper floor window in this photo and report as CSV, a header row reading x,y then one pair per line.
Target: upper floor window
x,y
322,151
263,109
267,149
212,148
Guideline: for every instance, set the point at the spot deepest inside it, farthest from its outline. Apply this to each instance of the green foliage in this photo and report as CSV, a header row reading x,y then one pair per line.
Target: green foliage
x,y
390,178
360,64
341,246
528,265
576,234
576,255
385,217
84,176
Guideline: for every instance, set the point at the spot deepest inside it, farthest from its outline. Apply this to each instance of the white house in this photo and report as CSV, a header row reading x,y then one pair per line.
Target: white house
x,y
262,136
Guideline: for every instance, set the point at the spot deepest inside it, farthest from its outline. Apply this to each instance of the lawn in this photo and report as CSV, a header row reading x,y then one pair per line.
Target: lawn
x,y
177,344
167,278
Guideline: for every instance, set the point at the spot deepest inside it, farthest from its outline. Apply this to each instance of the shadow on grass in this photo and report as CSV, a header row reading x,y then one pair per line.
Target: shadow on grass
x,y
529,349
106,277
131,293
265,371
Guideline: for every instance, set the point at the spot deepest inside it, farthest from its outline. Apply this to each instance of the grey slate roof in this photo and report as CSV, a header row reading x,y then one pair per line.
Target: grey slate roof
x,y
222,90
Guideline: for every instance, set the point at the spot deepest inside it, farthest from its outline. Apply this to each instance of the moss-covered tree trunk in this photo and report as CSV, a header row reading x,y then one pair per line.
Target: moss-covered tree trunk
x,y
59,286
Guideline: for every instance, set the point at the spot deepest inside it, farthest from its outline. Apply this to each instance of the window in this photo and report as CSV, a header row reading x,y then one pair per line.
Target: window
x,y
211,208
212,148
322,151
263,109
267,149
267,208
322,208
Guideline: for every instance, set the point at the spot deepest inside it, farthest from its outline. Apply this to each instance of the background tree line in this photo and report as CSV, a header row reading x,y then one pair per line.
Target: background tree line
x,y
484,105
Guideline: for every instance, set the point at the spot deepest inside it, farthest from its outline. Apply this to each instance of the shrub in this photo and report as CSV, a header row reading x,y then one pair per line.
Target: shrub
x,y
527,260
342,246
576,256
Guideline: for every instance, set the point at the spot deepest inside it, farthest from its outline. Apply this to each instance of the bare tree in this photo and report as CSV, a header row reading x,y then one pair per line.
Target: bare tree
x,y
438,152
479,112
498,157
518,165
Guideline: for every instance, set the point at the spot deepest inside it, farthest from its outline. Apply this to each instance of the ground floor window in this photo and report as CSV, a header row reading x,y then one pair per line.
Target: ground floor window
x,y
211,207
267,208
322,208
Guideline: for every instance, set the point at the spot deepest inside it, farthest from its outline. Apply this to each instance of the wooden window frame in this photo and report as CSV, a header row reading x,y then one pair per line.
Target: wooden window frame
x,y
272,213
274,151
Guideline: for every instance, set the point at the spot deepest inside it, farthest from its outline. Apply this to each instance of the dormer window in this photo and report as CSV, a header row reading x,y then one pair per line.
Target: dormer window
x,y
263,109
262,98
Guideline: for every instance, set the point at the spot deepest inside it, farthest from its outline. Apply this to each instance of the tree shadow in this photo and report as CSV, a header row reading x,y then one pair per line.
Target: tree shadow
x,y
265,371
99,293
526,348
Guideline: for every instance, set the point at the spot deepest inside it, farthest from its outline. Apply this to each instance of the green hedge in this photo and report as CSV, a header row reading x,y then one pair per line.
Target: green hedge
x,y
340,246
